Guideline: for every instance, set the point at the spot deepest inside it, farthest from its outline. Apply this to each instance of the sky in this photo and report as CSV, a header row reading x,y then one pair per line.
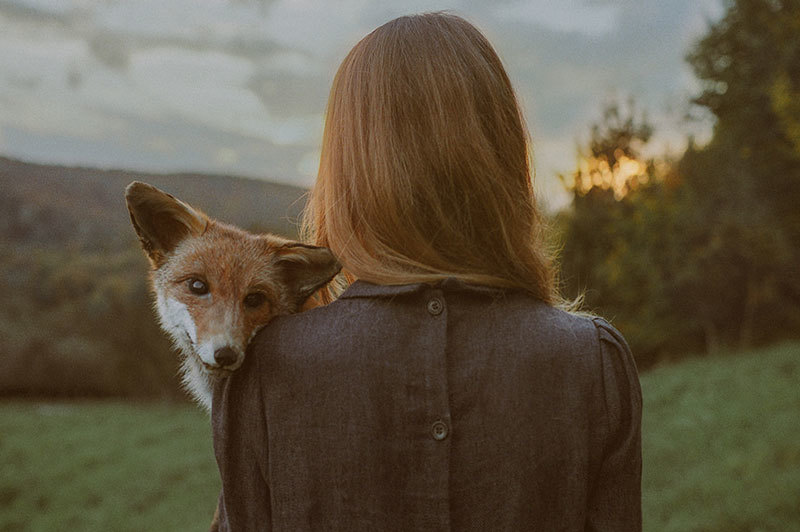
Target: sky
x,y
239,86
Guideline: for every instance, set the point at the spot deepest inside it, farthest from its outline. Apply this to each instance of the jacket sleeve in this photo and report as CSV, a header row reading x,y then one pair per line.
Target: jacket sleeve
x,y
240,446
615,501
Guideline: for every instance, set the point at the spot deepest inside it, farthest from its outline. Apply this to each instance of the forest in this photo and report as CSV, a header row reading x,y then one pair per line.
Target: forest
x,y
686,255
698,253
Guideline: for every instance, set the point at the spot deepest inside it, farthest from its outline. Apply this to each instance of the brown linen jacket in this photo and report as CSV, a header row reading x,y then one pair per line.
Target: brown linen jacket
x,y
431,408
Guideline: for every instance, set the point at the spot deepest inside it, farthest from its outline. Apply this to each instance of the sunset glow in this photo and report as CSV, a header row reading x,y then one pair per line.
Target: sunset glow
x,y
624,175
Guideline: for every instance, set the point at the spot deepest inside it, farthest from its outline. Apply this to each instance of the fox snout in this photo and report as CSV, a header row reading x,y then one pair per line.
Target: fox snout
x,y
220,354
225,356
216,337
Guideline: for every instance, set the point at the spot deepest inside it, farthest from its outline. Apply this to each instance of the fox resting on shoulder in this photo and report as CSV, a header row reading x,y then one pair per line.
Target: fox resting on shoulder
x,y
216,285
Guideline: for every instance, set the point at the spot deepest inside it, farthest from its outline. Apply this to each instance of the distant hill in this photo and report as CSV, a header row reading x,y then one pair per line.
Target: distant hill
x,y
76,318
85,207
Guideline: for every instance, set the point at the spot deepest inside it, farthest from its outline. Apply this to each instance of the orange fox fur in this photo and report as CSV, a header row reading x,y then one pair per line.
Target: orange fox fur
x,y
216,285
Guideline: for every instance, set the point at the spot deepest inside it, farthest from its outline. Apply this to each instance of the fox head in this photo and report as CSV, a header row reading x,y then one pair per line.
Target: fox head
x,y
216,285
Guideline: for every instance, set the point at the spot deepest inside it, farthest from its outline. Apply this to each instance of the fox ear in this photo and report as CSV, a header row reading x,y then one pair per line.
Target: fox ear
x,y
306,268
161,221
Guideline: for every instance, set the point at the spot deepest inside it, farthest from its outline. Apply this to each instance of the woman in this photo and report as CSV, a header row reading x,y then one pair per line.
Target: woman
x,y
442,390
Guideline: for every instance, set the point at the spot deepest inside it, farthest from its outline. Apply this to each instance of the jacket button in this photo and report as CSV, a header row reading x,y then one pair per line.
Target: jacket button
x,y
435,306
439,430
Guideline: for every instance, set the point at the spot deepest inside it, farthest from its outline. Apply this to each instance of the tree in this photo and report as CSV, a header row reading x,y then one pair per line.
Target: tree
x,y
733,257
748,178
704,254
612,242
749,63
608,169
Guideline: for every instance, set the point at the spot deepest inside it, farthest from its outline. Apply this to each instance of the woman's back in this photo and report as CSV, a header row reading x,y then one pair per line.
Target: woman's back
x,y
432,407
422,401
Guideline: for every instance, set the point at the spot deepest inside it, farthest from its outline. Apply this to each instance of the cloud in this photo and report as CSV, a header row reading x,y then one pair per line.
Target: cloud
x,y
36,71
316,27
308,165
53,12
564,16
241,85
564,76
286,94
162,146
209,89
110,49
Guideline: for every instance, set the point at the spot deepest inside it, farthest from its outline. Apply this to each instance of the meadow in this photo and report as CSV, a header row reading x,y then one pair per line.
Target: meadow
x,y
105,467
720,443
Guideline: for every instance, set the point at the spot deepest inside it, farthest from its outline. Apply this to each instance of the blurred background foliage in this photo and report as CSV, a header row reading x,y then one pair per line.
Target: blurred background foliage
x,y
685,254
699,253
76,318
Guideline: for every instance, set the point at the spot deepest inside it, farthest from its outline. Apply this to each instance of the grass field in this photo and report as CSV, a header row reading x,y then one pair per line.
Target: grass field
x,y
721,443
721,449
105,467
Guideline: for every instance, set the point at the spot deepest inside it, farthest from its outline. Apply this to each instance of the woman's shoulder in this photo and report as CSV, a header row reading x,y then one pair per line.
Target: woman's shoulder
x,y
515,320
591,330
598,351
549,323
571,336
305,325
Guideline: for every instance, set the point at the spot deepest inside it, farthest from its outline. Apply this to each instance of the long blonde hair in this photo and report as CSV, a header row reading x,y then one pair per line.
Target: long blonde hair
x,y
424,172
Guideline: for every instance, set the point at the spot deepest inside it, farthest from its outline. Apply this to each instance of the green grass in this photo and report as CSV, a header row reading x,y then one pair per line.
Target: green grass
x,y
105,467
721,443
721,449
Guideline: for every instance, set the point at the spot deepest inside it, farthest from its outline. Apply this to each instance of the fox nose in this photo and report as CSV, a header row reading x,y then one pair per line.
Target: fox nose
x,y
225,356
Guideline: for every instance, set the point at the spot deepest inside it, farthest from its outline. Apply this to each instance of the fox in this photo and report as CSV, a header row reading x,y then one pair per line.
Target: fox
x,y
216,285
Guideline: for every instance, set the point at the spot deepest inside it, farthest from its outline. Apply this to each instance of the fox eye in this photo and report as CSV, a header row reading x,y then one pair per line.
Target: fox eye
x,y
256,299
197,287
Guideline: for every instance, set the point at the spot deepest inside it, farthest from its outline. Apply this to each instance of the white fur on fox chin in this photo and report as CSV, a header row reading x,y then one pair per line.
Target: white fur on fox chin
x,y
196,381
177,321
